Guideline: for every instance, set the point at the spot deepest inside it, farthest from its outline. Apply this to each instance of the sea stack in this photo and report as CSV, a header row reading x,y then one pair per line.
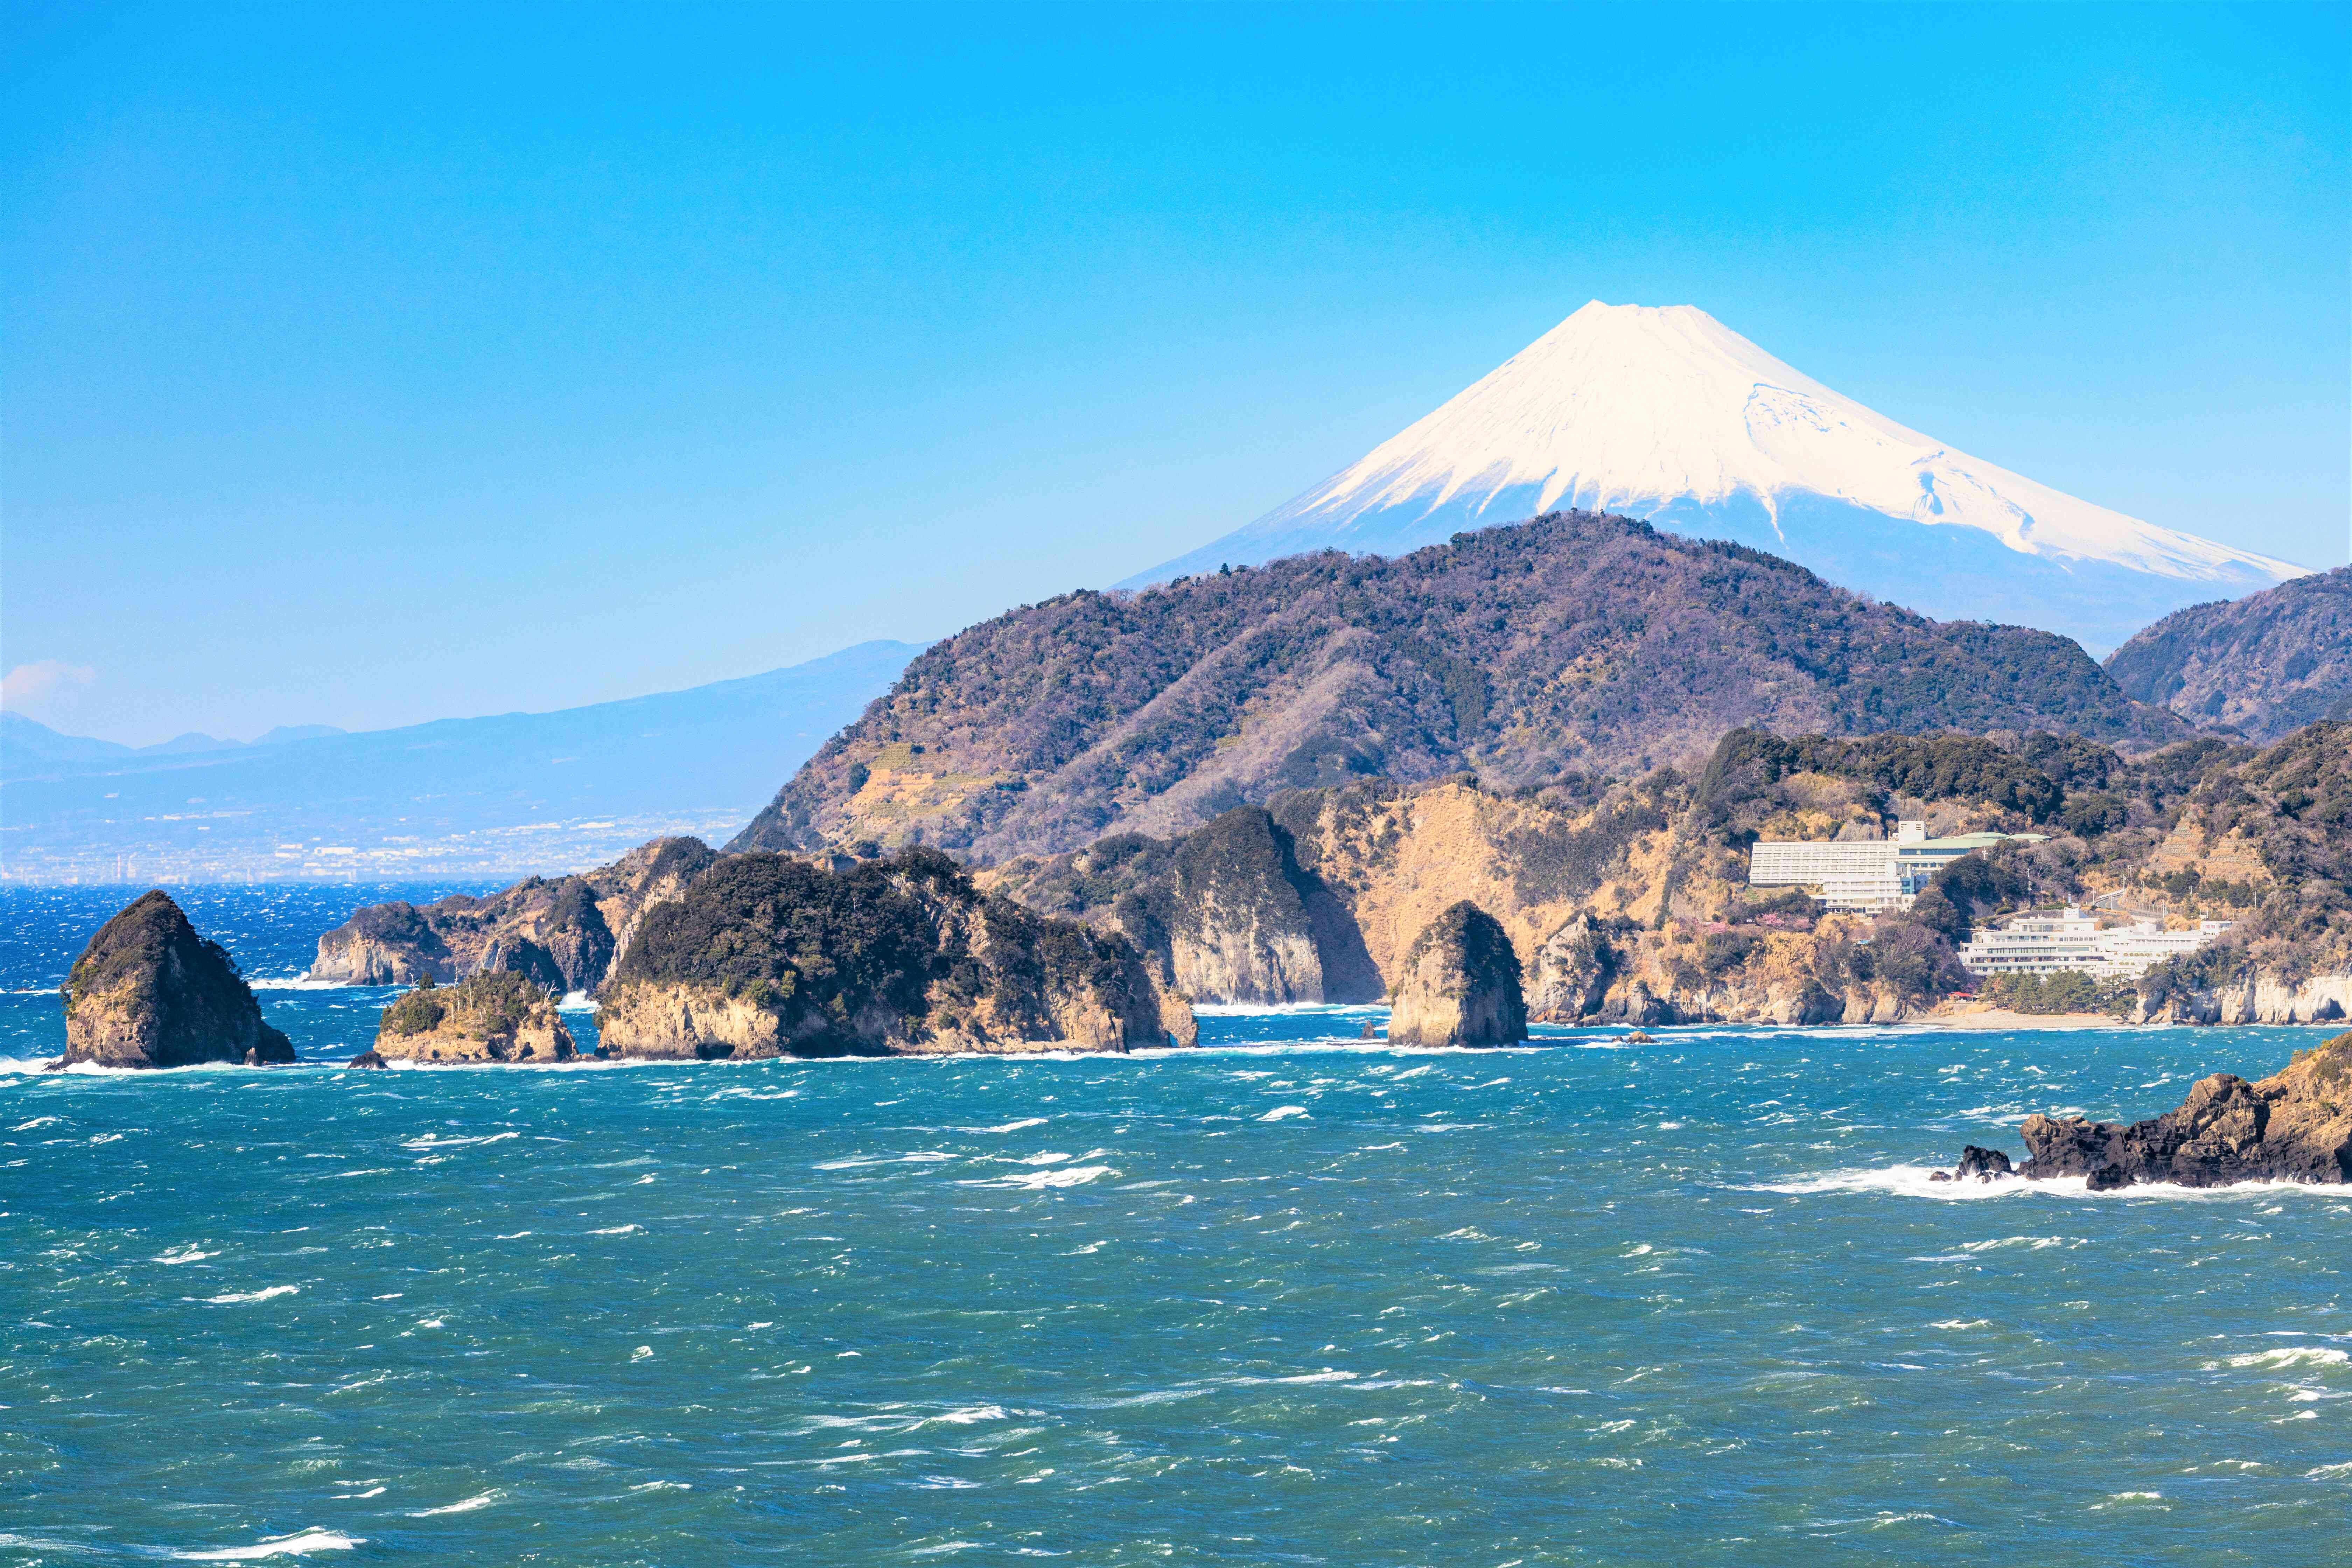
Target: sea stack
x,y
1460,985
495,1016
149,992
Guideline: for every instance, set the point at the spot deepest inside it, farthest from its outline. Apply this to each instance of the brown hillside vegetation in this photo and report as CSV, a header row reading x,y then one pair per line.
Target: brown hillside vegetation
x,y
1576,642
2262,663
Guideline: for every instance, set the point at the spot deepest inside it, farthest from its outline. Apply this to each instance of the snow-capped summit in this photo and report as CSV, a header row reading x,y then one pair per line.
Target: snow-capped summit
x,y
1666,414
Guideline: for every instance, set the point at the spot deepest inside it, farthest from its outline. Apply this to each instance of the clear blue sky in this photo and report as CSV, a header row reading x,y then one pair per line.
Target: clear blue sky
x,y
363,364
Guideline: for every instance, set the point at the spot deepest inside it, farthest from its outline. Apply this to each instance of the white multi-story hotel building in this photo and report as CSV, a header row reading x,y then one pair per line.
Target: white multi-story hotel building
x,y
2045,944
1865,875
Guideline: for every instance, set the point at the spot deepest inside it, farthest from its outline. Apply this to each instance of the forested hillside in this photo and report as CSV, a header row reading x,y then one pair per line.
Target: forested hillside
x,y
2263,665
1573,643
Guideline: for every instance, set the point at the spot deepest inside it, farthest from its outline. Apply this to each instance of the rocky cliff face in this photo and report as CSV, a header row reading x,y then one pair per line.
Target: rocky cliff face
x,y
2264,665
563,934
1629,899
653,873
765,955
2293,1126
1460,985
1572,642
492,1017
149,992
1241,931
2250,998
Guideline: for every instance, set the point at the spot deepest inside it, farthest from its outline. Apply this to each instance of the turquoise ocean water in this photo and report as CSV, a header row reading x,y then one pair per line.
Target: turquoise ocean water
x,y
1287,1300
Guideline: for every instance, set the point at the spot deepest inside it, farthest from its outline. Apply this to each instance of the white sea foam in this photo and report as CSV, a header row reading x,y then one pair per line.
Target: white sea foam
x,y
469,1505
296,1545
2283,1356
36,1122
863,1162
95,1069
1918,1181
1280,1112
615,1230
297,982
1055,1176
435,1142
252,1295
191,1253
575,1001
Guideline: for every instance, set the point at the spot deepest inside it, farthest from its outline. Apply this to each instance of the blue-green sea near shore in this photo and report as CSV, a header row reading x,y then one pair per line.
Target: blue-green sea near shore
x,y
1291,1298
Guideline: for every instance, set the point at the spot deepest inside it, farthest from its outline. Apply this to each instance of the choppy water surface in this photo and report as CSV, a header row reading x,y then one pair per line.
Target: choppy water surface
x,y
1289,1300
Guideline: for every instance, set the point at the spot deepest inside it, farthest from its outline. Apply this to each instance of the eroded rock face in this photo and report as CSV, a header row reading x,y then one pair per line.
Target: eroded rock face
x,y
1461,984
653,873
766,955
1572,971
564,934
1241,931
495,1017
2251,998
2293,1126
149,992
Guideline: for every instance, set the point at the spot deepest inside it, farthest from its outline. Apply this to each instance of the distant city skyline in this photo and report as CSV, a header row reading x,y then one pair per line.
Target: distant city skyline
x,y
368,365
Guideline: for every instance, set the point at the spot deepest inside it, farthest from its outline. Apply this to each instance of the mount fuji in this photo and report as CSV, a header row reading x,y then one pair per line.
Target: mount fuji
x,y
1668,415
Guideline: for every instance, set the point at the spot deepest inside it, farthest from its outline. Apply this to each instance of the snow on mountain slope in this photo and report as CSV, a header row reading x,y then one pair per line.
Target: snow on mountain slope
x,y
1667,413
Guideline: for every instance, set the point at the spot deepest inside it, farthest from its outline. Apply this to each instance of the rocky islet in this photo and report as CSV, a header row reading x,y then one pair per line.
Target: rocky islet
x,y
2293,1126
149,991
1460,986
496,1015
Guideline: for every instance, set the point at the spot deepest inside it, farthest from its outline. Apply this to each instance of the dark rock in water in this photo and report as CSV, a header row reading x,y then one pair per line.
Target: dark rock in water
x,y
368,1059
149,992
1461,984
2293,1126
1977,1165
1371,1031
1984,1164
2105,1178
1640,1039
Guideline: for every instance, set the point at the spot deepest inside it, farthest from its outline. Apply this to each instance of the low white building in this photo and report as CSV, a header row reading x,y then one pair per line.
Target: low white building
x,y
2047,944
1865,875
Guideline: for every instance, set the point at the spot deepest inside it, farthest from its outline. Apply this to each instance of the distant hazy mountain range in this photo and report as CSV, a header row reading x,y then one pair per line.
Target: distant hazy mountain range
x,y
2264,665
29,749
518,792
1667,415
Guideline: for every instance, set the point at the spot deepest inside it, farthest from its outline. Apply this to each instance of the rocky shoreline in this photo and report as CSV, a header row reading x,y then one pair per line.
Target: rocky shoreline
x,y
2293,1126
